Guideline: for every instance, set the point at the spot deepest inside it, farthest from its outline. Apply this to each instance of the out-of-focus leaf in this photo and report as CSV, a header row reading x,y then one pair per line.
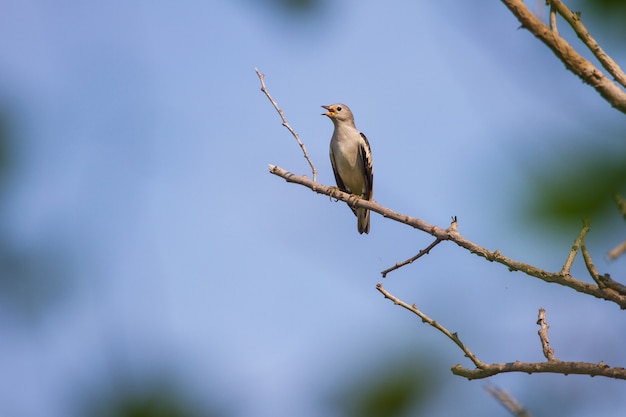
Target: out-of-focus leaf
x,y
153,397
606,7
579,185
392,389
603,18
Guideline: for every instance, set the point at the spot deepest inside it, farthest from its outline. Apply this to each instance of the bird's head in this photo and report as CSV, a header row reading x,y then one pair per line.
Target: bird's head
x,y
338,112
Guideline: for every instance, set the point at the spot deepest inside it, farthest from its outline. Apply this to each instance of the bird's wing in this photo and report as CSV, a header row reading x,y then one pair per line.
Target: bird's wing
x,y
338,179
365,161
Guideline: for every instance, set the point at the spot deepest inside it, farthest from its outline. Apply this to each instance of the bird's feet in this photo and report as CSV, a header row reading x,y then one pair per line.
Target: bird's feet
x,y
332,192
353,200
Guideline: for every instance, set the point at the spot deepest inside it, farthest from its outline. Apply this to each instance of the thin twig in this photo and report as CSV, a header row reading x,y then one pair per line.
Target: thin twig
x,y
573,19
507,400
553,20
453,235
548,352
412,259
575,248
282,116
604,281
590,266
608,283
617,251
452,336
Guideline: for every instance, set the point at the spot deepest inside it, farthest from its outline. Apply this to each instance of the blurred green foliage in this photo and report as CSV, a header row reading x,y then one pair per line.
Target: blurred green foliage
x,y
579,184
394,388
605,21
605,7
158,396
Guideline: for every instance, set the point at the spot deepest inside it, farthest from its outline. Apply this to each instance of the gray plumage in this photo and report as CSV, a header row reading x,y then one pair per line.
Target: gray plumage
x,y
351,158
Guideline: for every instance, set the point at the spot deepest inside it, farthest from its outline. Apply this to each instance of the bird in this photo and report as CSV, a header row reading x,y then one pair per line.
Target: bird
x,y
351,158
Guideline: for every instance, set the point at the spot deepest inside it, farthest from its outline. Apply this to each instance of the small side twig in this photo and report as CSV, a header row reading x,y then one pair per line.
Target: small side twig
x,y
605,282
609,283
575,248
590,266
507,400
548,352
452,336
282,116
617,251
553,20
421,253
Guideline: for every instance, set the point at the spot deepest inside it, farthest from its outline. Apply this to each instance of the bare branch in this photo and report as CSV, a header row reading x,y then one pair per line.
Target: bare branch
x,y
590,266
604,281
412,259
452,336
581,31
617,251
282,116
553,20
573,61
575,248
507,400
548,352
453,235
554,367
484,370
607,282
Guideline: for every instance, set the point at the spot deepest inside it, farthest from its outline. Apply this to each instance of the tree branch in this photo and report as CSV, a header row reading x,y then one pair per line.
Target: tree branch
x,y
412,259
484,370
548,352
453,235
617,251
452,336
593,272
604,281
555,367
282,116
507,401
573,61
573,19
575,248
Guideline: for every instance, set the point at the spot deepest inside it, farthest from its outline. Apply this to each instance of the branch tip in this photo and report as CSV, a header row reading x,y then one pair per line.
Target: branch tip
x,y
285,124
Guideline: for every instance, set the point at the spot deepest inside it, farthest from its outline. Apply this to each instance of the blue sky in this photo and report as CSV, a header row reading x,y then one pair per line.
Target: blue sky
x,y
140,167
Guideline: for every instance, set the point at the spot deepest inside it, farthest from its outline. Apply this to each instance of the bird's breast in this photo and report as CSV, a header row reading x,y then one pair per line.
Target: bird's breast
x,y
345,152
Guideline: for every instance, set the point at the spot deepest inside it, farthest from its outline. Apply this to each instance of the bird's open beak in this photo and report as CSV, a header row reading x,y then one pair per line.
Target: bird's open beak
x,y
331,111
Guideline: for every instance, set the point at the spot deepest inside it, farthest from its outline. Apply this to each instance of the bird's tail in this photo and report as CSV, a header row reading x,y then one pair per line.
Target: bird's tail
x,y
363,216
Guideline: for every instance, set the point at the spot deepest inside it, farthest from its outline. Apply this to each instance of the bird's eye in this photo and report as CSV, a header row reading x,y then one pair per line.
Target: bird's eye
x,y
339,108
